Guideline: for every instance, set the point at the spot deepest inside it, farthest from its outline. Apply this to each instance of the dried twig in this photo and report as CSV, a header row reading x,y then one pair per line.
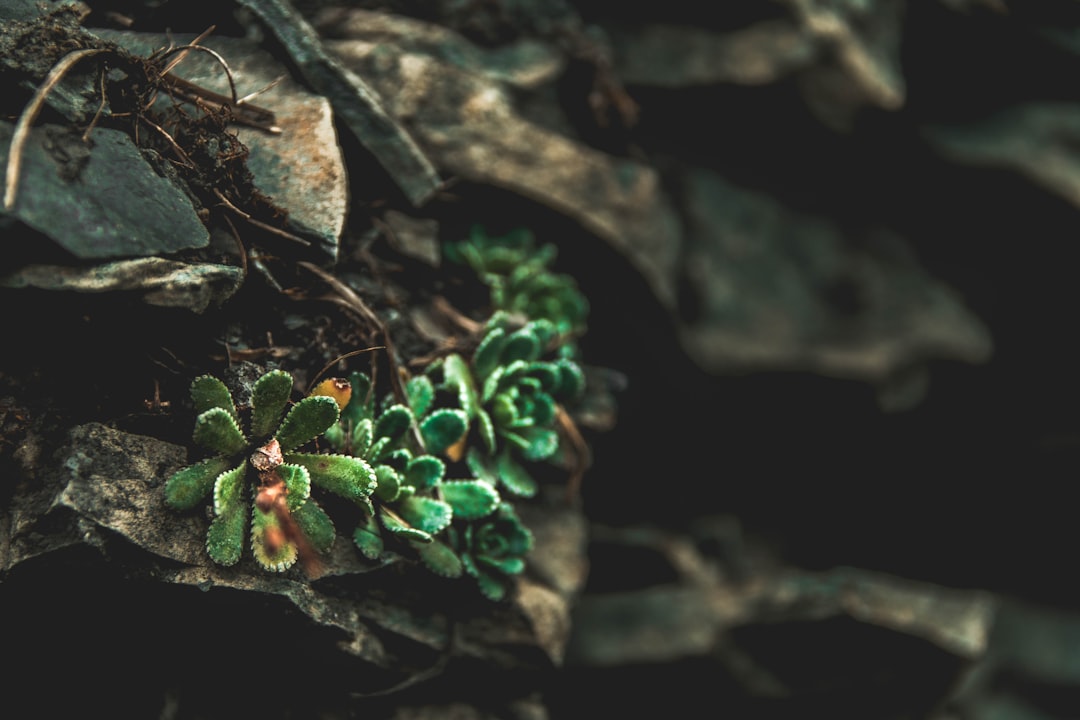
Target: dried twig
x,y
259,223
339,358
30,113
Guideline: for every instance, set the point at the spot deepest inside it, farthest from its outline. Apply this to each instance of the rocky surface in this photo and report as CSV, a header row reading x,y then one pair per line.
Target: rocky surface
x,y
829,251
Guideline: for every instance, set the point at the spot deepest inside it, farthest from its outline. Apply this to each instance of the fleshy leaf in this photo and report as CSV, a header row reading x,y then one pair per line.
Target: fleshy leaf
x,y
542,443
505,565
440,559
225,538
393,422
307,419
543,411
298,482
421,394
488,352
228,490
514,477
217,430
458,376
487,430
264,528
424,472
424,513
494,587
571,380
482,466
208,392
268,400
398,527
443,428
350,477
470,499
316,525
491,384
368,539
389,483
521,345
547,374
359,406
187,487
363,434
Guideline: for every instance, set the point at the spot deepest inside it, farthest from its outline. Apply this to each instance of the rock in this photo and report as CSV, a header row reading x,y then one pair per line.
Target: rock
x,y
301,168
778,289
166,283
1037,141
466,123
98,200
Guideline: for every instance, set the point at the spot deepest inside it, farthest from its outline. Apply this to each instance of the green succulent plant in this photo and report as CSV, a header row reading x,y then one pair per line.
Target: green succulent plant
x,y
512,394
413,500
267,464
521,282
493,550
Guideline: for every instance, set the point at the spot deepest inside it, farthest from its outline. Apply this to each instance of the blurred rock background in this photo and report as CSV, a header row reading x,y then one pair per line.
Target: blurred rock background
x,y
829,250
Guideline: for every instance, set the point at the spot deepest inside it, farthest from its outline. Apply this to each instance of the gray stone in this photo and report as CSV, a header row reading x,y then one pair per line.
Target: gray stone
x,y
99,200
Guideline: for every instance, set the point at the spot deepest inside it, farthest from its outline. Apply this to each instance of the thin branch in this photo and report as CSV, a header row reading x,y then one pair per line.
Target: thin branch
x,y
172,48
165,75
30,113
339,358
101,109
260,223
175,145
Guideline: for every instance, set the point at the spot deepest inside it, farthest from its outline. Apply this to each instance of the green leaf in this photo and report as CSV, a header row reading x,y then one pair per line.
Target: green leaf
x,y
514,477
378,448
403,530
335,436
482,466
316,526
443,428
277,559
307,419
571,381
488,352
491,384
457,374
421,394
268,400
350,477
487,430
424,472
521,345
470,499
228,490
187,487
424,513
216,430
494,587
225,538
389,483
394,422
543,330
298,482
542,443
440,559
547,374
363,434
208,392
368,538
504,565
359,407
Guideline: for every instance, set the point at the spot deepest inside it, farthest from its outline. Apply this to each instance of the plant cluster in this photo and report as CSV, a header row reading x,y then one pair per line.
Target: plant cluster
x,y
488,416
